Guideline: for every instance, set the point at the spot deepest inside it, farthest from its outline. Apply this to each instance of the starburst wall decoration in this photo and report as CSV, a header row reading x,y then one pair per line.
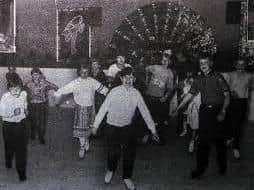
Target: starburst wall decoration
x,y
162,25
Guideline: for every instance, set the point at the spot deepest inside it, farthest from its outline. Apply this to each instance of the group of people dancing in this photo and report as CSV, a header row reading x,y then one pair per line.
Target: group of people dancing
x,y
118,98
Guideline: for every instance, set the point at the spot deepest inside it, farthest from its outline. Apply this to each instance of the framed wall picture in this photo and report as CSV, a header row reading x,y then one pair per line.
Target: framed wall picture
x,y
8,26
73,35
250,20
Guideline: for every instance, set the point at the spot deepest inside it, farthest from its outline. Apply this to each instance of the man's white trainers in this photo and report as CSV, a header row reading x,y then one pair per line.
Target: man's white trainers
x,y
236,153
108,176
129,184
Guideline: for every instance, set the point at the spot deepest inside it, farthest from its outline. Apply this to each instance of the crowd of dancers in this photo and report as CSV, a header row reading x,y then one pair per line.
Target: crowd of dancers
x,y
205,102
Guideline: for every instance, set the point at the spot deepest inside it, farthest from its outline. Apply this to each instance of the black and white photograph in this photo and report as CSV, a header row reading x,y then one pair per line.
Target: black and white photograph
x,y
126,95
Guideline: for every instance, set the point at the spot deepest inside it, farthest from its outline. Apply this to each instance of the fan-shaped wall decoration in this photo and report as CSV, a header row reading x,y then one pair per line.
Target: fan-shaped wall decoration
x,y
158,26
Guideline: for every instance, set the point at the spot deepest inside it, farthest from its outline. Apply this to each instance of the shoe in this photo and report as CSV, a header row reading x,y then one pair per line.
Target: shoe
x,y
183,133
195,174
108,177
87,146
22,178
82,152
236,154
42,141
129,184
191,146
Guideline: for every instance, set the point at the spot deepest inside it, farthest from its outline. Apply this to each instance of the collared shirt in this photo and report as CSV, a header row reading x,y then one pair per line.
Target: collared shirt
x,y
211,87
83,90
161,80
120,106
9,103
38,92
114,69
239,83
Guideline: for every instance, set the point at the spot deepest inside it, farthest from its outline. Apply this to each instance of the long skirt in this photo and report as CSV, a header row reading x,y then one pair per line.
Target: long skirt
x,y
83,120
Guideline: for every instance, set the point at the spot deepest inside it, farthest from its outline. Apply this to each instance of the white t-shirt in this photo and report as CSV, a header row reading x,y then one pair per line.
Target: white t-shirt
x,y
9,103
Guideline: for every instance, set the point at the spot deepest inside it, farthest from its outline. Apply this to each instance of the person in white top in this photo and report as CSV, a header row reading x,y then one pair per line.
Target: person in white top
x,y
192,113
120,106
83,89
13,110
115,68
240,83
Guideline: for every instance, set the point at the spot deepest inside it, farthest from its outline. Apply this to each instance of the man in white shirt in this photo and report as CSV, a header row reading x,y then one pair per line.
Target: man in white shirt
x,y
240,83
120,106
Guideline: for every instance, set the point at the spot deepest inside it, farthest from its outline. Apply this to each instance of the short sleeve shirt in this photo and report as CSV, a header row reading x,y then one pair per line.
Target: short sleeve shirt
x,y
211,88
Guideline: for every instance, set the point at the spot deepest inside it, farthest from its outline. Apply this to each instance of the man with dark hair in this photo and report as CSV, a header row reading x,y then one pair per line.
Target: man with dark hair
x,y
120,106
215,99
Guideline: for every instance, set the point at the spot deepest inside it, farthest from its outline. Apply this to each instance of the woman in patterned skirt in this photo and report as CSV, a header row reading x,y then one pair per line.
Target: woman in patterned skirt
x,y
83,89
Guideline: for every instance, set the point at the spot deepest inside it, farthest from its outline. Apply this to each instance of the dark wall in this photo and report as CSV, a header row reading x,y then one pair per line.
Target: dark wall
x,y
36,20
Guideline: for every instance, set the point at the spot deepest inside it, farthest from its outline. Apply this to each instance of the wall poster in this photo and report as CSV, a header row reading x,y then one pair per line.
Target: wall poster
x,y
73,34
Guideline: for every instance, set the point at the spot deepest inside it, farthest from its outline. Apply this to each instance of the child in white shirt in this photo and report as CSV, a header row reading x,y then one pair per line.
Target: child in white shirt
x,y
83,89
13,110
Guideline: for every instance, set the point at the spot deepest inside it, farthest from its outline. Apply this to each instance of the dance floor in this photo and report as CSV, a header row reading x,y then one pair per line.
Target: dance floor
x,y
56,166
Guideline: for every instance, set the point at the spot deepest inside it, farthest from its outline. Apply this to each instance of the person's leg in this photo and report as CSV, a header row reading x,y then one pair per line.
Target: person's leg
x,y
129,153
114,152
203,151
193,140
239,121
206,121
8,144
33,120
21,151
42,122
82,147
221,149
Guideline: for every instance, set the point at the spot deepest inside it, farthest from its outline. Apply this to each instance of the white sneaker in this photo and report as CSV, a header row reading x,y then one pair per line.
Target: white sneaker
x,y
81,152
236,153
191,146
183,133
87,146
108,176
129,184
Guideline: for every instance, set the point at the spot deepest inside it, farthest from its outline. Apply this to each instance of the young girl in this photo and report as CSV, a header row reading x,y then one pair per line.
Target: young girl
x,y
38,89
13,109
83,89
191,114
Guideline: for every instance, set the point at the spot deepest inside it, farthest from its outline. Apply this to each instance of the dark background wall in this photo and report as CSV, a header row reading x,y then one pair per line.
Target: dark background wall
x,y
36,24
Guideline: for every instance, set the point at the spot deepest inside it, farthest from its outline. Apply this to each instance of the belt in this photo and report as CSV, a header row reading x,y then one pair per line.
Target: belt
x,y
211,106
